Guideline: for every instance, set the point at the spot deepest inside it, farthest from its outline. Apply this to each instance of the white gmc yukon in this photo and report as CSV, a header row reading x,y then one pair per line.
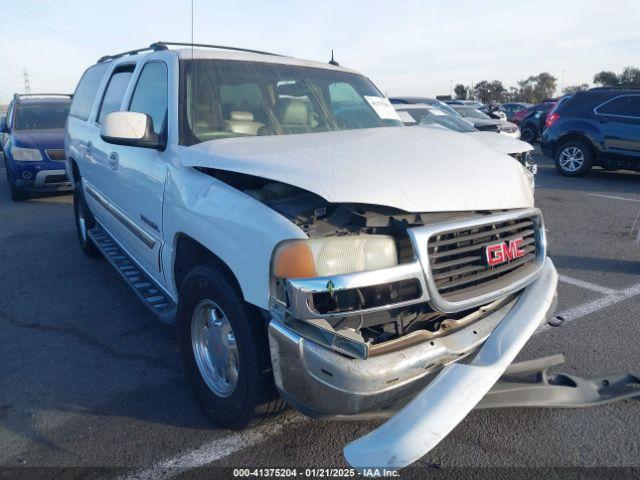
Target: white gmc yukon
x,y
307,245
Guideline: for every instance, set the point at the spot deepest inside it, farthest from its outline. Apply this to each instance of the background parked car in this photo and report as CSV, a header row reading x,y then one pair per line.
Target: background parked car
x,y
532,123
494,111
432,116
33,143
482,124
512,109
473,113
596,127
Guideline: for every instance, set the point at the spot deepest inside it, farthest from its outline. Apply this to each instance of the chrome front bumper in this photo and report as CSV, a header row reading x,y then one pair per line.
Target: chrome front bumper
x,y
323,383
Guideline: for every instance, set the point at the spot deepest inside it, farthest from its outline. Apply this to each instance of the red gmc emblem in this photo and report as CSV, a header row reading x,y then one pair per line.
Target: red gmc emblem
x,y
499,253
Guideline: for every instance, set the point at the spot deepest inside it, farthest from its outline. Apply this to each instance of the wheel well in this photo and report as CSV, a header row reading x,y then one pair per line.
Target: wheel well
x,y
574,136
189,254
75,170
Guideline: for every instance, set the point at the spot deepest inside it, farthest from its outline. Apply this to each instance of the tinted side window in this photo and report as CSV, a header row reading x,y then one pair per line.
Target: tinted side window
x,y
86,91
114,93
150,94
628,105
8,118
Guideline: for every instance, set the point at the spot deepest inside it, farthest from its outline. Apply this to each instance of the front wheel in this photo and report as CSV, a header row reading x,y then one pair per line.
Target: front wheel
x,y
17,195
224,349
573,158
527,134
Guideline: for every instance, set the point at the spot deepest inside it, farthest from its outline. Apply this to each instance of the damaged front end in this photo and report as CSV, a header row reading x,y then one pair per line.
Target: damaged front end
x,y
372,311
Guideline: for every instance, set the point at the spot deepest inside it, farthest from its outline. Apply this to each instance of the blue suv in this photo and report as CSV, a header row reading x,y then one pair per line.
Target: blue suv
x,y
33,144
599,127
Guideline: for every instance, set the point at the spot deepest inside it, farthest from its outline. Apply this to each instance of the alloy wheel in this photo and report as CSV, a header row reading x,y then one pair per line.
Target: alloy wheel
x,y
214,348
571,159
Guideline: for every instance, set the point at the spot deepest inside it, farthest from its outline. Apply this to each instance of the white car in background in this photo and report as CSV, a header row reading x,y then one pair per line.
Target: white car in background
x,y
430,116
472,113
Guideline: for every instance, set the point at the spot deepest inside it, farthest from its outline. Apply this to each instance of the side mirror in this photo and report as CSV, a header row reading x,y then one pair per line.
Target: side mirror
x,y
132,129
3,126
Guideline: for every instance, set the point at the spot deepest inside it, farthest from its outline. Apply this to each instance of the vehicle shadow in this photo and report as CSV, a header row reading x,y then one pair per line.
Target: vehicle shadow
x,y
596,264
598,180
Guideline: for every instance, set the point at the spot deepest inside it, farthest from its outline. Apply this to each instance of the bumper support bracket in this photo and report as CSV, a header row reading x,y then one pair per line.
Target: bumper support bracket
x,y
558,390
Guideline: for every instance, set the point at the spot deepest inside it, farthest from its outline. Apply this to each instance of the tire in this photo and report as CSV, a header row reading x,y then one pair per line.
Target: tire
x,y
528,134
244,393
17,195
84,221
574,158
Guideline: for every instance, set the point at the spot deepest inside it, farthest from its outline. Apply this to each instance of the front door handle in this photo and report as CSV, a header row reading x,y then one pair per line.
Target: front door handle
x,y
113,160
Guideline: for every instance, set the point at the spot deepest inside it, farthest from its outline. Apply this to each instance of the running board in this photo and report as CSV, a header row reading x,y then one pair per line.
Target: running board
x,y
147,290
558,390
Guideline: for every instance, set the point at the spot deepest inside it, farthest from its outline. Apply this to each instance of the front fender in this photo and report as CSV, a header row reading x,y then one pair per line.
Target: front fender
x,y
238,229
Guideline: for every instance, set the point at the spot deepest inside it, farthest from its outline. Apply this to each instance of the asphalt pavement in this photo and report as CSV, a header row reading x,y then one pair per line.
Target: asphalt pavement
x,y
91,385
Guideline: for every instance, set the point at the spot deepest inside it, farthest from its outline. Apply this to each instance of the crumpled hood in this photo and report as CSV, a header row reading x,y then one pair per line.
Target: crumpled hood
x,y
412,169
48,138
501,143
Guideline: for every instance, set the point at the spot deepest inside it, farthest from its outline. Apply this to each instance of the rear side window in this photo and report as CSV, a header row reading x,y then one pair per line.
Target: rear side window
x,y
150,95
627,105
86,91
114,93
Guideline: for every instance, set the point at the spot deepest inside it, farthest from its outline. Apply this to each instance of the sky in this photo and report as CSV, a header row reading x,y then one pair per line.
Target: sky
x,y
407,47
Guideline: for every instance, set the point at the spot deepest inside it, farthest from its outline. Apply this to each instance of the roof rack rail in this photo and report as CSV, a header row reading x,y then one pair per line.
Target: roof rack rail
x,y
153,47
165,45
615,87
21,95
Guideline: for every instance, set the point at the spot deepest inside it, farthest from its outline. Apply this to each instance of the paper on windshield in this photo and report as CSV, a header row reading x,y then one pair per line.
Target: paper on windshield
x,y
406,117
382,107
437,111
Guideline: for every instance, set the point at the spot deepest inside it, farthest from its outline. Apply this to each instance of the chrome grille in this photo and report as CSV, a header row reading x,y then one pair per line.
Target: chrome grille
x,y
458,258
456,262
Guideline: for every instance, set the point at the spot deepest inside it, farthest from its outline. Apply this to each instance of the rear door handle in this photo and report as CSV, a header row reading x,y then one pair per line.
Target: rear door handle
x,y
113,160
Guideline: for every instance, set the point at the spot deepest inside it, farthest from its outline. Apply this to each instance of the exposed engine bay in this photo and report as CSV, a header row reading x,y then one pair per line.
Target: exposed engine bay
x,y
319,218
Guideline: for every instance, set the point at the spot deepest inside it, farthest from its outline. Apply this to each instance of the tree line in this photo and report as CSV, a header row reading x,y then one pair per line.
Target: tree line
x,y
537,88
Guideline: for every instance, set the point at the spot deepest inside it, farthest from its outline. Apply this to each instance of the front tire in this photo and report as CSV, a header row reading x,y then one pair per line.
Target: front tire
x,y
224,349
528,134
84,222
17,195
574,158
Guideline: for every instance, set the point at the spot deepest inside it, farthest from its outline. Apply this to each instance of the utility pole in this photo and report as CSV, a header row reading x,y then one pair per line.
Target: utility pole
x,y
27,85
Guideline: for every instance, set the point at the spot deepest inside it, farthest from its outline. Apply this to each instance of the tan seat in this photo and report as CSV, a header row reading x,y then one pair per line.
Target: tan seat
x,y
293,115
242,122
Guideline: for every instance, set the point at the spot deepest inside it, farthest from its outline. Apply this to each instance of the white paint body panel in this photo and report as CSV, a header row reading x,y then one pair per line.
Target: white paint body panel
x,y
416,170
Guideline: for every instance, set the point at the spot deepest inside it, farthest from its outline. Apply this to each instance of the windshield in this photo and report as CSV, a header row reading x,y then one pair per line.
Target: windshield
x,y
472,112
435,116
226,98
447,108
41,116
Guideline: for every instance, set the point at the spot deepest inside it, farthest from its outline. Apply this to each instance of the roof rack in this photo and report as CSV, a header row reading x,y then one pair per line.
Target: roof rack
x,y
614,87
159,46
165,45
22,95
153,47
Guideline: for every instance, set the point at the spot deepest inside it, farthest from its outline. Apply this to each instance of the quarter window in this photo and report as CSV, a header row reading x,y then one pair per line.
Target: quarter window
x,y
150,94
627,105
114,93
86,91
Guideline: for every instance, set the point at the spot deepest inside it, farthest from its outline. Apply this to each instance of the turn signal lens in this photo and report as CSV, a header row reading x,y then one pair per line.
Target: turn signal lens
x,y
294,260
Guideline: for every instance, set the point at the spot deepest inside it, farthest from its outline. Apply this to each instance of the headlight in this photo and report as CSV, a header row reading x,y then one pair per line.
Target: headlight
x,y
320,257
26,154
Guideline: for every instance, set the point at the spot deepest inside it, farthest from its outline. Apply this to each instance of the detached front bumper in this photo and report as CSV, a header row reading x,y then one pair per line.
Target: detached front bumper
x,y
435,411
323,383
